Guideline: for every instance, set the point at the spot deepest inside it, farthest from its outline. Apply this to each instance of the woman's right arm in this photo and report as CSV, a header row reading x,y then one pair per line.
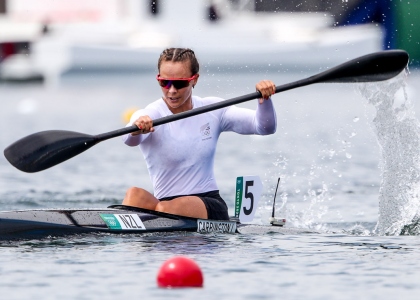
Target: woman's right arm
x,y
145,125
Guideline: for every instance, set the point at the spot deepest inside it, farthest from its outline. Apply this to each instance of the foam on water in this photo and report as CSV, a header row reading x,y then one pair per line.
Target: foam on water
x,y
398,134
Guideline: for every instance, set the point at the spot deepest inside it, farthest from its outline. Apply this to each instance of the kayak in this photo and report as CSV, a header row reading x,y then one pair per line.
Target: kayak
x,y
123,219
116,219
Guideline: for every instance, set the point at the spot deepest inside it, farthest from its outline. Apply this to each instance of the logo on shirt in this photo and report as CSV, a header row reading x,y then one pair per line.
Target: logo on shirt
x,y
205,131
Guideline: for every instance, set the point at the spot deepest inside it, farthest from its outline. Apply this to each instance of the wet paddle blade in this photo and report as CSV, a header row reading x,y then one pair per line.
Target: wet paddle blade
x,y
42,150
377,66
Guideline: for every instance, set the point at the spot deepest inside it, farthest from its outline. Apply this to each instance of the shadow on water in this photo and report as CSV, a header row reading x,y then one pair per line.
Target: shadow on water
x,y
367,245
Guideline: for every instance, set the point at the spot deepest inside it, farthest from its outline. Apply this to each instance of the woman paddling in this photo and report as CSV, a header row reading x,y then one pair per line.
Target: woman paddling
x,y
180,155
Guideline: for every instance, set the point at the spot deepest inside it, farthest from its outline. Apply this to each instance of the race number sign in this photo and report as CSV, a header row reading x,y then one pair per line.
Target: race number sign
x,y
248,194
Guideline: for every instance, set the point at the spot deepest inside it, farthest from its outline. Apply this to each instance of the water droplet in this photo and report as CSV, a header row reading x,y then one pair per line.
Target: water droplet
x,y
356,119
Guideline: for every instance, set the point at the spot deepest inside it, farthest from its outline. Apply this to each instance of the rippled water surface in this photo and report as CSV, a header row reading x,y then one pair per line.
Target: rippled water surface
x,y
334,180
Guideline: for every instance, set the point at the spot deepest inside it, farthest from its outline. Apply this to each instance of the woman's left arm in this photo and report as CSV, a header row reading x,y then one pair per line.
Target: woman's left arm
x,y
265,117
266,122
247,121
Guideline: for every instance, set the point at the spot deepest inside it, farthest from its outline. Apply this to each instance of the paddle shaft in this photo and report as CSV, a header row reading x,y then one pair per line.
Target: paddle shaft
x,y
372,67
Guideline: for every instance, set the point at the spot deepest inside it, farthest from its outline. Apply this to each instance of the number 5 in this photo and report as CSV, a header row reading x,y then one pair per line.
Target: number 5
x,y
250,196
247,187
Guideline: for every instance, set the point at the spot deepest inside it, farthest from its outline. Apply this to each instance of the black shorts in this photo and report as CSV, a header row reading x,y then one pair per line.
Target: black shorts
x,y
215,205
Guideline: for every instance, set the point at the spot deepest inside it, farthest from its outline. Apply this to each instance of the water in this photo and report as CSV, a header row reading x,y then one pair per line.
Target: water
x,y
334,179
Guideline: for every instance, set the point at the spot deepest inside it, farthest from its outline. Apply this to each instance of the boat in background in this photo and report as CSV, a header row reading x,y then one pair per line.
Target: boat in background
x,y
124,36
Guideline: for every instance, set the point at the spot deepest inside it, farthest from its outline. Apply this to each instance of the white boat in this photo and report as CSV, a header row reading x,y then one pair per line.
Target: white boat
x,y
240,40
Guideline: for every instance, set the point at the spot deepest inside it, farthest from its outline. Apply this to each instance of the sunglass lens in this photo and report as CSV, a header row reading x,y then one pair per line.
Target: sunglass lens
x,y
165,83
179,84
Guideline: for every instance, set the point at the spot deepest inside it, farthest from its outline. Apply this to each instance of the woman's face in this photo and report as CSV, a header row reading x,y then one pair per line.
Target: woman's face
x,y
178,100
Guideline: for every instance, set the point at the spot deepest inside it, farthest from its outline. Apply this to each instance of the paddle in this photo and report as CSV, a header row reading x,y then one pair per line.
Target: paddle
x,y
42,150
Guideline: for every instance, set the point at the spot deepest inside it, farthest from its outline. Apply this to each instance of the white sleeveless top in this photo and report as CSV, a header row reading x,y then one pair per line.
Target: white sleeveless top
x,y
180,154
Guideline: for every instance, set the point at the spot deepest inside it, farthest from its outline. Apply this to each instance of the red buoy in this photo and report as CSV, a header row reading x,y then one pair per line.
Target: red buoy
x,y
178,272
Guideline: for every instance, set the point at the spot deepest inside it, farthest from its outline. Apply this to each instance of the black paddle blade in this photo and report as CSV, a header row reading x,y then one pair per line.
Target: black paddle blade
x,y
42,150
377,66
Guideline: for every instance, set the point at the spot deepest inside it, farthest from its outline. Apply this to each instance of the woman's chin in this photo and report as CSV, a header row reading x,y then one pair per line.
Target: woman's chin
x,y
173,103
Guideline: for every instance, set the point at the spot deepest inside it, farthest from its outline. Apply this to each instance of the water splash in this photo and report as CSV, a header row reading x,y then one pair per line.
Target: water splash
x,y
308,205
398,135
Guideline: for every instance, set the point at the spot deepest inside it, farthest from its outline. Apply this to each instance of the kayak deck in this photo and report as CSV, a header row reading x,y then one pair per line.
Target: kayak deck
x,y
117,219
114,219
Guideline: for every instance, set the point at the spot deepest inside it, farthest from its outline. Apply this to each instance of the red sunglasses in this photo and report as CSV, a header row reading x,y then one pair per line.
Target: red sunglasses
x,y
178,83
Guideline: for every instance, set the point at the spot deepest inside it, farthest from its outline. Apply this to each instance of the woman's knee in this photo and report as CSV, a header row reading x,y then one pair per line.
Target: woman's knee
x,y
134,192
139,197
133,196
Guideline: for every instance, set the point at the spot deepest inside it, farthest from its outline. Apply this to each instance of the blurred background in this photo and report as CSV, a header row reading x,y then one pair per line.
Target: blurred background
x,y
85,65
45,39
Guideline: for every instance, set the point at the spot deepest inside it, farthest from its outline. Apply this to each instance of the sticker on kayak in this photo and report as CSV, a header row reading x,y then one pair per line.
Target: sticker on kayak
x,y
206,226
123,221
248,194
